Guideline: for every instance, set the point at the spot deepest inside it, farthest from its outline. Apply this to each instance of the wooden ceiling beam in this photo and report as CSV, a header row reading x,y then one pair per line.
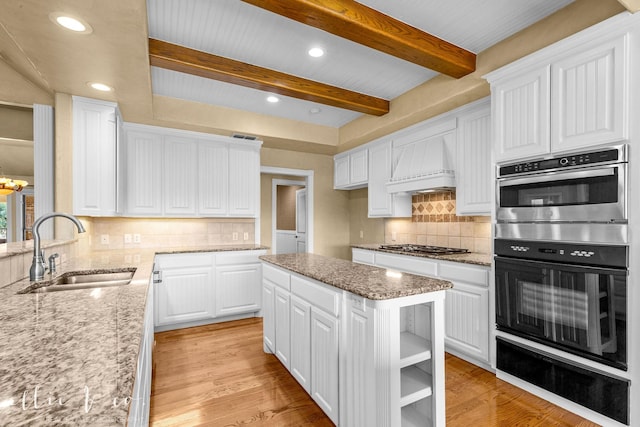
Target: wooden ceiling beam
x,y
353,21
185,60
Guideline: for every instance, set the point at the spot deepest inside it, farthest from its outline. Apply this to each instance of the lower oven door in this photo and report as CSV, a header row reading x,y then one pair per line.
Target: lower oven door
x,y
576,308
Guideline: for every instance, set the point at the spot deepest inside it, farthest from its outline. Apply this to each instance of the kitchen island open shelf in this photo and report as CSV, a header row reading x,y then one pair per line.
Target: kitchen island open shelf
x,y
382,333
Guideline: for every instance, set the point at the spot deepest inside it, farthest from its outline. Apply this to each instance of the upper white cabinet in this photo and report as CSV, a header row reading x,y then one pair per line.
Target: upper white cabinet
x,y
143,173
351,169
575,97
184,174
95,157
474,177
381,202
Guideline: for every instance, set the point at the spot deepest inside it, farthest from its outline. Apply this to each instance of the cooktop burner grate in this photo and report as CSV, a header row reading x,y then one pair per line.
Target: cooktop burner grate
x,y
423,249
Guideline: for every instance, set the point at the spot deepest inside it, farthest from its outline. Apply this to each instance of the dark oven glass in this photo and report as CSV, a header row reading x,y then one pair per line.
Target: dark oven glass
x,y
556,191
576,308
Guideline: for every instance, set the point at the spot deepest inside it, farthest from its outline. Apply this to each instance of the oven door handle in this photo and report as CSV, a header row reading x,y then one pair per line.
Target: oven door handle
x,y
557,176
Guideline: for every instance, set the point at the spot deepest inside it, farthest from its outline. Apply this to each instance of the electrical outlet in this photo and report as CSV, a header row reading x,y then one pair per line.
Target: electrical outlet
x,y
127,238
394,236
361,234
246,236
136,238
234,236
104,239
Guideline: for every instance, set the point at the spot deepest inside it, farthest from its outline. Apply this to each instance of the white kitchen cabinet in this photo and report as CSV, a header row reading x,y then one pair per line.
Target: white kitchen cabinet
x,y
238,282
324,362
383,204
351,169
244,180
301,342
95,157
521,111
283,334
180,176
268,316
474,172
589,100
570,95
185,291
144,154
141,396
213,179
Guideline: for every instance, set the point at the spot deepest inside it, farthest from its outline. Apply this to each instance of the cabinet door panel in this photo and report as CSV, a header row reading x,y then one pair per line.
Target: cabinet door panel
x,y
324,362
467,320
474,177
301,342
213,180
144,173
381,202
180,176
268,319
521,107
184,295
283,337
590,97
341,172
244,181
358,169
94,158
237,289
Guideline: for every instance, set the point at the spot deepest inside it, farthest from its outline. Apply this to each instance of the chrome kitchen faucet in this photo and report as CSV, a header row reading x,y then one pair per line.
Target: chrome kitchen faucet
x,y
36,272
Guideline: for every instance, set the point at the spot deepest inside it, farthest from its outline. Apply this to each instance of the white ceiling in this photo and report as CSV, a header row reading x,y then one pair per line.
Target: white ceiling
x,y
237,30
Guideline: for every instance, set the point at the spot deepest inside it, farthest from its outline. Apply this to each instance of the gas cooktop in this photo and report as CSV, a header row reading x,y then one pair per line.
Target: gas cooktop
x,y
423,249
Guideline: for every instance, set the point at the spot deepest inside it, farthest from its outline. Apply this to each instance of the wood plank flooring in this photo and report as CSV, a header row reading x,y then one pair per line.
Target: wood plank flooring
x,y
218,375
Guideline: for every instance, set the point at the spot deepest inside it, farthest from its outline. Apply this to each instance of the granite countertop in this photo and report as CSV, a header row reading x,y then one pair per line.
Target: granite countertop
x,y
17,248
369,282
466,258
70,357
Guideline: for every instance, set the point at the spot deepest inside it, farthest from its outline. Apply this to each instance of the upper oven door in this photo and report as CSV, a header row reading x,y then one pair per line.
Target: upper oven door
x,y
593,194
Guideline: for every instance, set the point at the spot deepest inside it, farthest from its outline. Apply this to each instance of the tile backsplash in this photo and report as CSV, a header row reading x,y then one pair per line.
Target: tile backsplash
x,y
161,232
434,222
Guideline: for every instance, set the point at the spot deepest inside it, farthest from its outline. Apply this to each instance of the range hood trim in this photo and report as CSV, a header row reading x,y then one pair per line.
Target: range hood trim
x,y
444,181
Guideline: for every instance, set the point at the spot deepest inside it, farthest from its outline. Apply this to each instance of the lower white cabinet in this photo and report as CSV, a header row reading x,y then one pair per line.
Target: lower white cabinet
x,y
141,397
324,362
203,287
185,290
283,334
238,277
268,316
301,335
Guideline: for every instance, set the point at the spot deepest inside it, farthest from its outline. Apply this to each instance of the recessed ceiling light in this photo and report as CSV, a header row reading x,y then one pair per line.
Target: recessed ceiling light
x,y
272,99
70,23
100,86
316,52
315,110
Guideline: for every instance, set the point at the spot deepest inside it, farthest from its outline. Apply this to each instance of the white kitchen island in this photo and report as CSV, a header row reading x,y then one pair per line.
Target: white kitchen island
x,y
366,343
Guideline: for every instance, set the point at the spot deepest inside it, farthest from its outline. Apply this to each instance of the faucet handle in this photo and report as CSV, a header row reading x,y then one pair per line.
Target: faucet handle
x,y
52,262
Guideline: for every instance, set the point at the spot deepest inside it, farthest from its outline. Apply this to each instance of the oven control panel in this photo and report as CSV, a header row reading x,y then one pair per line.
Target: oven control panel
x,y
570,160
569,253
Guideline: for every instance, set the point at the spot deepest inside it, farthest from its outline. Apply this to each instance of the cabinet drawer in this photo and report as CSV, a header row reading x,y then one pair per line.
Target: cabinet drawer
x,y
277,276
318,295
239,257
363,256
184,260
461,273
410,264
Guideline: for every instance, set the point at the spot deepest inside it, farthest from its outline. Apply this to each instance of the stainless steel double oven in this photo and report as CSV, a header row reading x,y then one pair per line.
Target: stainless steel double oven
x,y
561,264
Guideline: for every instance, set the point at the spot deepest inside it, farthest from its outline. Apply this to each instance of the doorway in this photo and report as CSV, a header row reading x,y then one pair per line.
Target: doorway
x,y
296,235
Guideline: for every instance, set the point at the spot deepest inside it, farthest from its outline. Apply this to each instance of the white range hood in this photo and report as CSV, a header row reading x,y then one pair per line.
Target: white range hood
x,y
423,165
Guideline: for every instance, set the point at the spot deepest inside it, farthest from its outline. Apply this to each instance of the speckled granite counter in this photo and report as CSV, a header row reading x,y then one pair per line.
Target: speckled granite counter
x,y
69,358
15,248
370,282
468,258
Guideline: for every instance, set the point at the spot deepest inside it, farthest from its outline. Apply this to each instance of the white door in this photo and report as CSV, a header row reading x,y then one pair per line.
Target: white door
x,y
301,220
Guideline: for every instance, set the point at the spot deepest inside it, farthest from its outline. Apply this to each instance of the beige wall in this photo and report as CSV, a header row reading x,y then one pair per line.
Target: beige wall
x,y
331,207
372,228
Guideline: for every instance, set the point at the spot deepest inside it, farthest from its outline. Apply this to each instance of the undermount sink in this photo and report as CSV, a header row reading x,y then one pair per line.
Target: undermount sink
x,y
83,280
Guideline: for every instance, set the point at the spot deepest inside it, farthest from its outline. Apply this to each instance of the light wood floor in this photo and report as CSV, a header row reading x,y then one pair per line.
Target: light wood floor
x,y
218,375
